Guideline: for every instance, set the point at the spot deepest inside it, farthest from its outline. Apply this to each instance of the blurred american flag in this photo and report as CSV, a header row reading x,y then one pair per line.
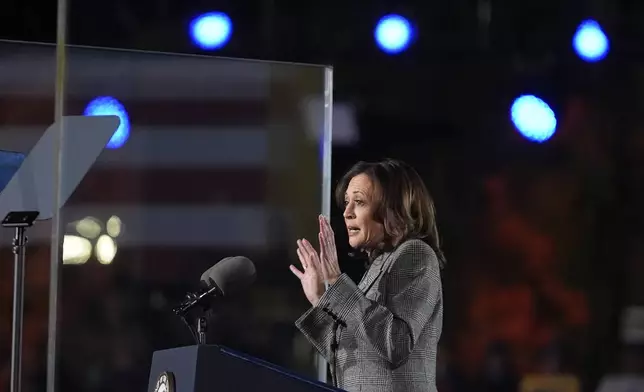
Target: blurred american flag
x,y
194,177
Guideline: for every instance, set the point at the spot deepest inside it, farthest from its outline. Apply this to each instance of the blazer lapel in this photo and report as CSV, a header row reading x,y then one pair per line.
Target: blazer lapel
x,y
375,270
369,279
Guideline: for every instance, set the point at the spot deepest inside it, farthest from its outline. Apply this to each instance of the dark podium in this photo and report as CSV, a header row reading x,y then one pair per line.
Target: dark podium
x,y
212,368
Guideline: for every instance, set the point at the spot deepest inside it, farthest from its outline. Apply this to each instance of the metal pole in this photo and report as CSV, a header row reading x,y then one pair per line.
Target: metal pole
x,y
319,360
55,250
19,242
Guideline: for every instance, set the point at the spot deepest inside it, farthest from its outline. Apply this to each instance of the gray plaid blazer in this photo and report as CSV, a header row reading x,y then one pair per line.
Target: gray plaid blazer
x,y
386,329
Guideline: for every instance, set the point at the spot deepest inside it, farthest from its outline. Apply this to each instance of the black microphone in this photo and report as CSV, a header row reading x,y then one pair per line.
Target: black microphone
x,y
224,279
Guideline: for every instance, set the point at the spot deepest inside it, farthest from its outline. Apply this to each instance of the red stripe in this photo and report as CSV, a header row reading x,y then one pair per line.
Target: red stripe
x,y
20,110
230,186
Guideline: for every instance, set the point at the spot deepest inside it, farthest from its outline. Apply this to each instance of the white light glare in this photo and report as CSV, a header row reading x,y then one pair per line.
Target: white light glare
x,y
76,250
105,249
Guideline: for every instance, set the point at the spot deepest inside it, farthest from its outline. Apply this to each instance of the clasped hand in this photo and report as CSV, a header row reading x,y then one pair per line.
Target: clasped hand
x,y
317,268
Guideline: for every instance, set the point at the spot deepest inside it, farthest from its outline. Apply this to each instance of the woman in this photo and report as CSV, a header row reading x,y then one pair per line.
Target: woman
x,y
382,334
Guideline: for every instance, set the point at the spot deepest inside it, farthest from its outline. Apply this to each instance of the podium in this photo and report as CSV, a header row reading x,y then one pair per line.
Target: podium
x,y
212,368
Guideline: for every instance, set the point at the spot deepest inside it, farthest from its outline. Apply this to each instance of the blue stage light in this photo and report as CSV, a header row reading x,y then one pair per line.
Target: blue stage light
x,y
533,118
211,31
393,34
104,106
590,42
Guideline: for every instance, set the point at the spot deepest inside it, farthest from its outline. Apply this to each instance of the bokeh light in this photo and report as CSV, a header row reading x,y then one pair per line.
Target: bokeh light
x,y
104,106
590,42
533,118
393,34
211,31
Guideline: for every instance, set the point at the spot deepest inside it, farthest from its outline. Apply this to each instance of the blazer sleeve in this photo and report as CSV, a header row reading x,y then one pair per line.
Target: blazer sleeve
x,y
414,288
317,326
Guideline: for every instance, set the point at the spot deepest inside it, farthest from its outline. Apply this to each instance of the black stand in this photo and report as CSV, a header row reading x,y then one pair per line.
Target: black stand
x,y
202,324
197,302
200,329
19,221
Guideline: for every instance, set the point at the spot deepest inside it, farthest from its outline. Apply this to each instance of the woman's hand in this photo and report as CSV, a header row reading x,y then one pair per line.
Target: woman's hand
x,y
311,278
328,254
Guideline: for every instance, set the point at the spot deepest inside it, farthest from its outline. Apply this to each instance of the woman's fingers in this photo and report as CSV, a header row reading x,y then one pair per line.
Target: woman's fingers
x,y
308,256
323,245
309,250
327,231
297,272
323,259
323,224
302,256
326,224
301,245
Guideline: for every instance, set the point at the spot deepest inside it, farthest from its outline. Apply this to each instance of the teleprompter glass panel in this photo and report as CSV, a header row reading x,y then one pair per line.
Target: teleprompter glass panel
x,y
213,158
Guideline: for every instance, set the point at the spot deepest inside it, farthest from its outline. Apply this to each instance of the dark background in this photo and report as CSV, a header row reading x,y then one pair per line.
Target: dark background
x,y
543,240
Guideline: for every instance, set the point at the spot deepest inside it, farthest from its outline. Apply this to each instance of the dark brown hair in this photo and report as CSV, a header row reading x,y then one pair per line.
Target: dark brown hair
x,y
403,204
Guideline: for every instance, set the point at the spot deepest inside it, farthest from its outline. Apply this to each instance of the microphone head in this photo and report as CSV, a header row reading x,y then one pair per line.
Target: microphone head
x,y
232,274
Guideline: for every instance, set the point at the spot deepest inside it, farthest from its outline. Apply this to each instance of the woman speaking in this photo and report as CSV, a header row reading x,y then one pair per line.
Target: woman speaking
x,y
382,334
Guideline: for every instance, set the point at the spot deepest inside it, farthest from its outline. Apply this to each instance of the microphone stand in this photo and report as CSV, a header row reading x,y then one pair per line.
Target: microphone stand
x,y
197,300
18,221
202,325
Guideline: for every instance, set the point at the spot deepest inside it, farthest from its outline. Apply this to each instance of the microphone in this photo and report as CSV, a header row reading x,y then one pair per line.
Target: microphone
x,y
224,279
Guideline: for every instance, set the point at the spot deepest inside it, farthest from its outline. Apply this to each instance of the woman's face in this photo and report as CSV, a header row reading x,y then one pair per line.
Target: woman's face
x,y
359,207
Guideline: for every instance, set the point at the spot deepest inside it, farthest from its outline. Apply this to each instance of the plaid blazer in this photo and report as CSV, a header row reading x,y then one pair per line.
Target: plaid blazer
x,y
385,330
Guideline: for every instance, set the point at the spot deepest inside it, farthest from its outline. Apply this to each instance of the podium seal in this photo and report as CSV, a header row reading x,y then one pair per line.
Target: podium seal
x,y
165,382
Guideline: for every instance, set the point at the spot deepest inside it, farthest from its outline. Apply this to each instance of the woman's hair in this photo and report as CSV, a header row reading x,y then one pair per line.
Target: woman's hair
x,y
403,204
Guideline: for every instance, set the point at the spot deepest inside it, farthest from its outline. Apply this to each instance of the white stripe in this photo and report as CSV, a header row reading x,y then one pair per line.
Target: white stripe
x,y
184,147
191,226
29,69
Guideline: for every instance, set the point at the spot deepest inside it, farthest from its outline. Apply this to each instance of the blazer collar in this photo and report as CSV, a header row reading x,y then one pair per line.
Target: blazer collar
x,y
376,268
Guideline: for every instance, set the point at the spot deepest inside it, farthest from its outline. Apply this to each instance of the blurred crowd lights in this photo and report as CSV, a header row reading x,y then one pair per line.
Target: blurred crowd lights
x,y
90,238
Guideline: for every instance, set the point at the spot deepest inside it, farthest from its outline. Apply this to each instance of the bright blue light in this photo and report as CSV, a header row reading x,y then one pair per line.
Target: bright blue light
x,y
590,42
533,118
211,31
393,34
104,106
